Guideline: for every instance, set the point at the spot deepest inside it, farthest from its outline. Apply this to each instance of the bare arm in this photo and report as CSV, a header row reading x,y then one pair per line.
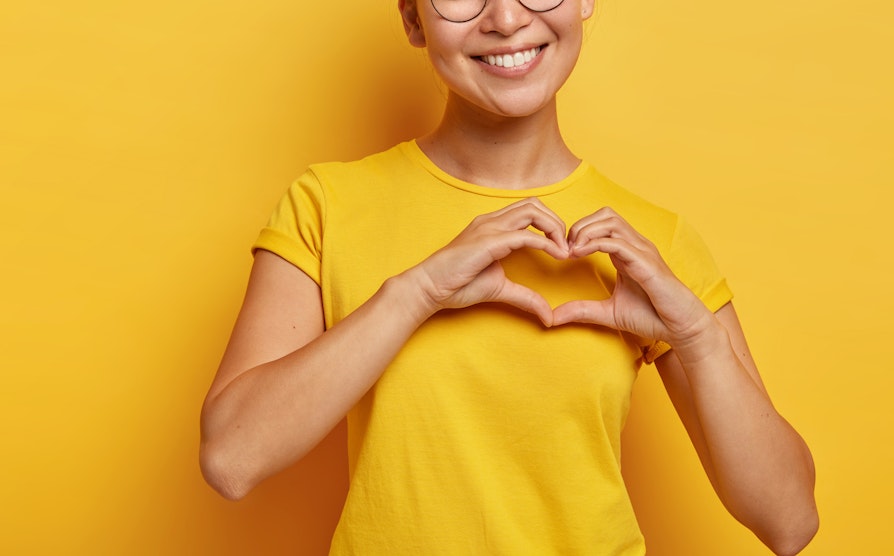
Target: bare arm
x,y
284,382
759,466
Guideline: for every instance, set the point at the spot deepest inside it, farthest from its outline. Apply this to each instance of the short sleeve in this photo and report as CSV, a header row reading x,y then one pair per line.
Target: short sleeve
x,y
691,261
295,229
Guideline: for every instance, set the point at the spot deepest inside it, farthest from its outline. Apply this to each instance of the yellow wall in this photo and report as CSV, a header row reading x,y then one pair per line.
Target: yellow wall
x,y
143,144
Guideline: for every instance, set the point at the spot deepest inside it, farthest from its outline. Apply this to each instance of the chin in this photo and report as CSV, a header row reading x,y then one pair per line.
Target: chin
x,y
507,104
520,108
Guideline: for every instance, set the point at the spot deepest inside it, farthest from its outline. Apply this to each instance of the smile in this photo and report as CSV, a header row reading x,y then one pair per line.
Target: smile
x,y
511,60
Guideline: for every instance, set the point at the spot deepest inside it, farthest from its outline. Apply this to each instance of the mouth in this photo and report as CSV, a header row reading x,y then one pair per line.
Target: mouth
x,y
511,59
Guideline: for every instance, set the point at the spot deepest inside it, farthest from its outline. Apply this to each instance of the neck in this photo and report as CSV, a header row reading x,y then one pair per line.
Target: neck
x,y
500,151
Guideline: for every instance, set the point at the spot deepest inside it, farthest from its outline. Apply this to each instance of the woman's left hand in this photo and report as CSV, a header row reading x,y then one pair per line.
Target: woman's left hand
x,y
758,464
648,300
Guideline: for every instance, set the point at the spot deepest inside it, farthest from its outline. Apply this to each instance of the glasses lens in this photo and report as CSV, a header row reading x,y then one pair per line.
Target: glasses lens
x,y
459,11
541,5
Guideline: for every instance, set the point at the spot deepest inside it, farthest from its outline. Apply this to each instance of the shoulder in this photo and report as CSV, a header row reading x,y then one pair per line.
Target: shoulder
x,y
338,183
381,165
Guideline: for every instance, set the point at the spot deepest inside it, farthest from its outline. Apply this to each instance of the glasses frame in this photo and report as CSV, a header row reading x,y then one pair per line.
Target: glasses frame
x,y
484,5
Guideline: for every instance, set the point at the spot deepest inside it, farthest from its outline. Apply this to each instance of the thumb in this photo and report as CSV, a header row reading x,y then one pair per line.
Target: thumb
x,y
525,299
585,311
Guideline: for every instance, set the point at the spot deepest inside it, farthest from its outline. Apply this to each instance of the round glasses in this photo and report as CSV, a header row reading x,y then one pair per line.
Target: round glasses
x,y
461,11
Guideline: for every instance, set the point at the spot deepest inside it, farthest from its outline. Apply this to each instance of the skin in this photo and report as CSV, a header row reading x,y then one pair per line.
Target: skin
x,y
285,382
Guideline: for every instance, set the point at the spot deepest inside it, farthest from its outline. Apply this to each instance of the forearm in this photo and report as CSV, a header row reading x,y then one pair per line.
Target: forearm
x,y
759,465
272,415
258,419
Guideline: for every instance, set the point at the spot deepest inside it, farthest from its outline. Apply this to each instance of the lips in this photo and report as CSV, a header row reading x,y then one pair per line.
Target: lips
x,y
512,59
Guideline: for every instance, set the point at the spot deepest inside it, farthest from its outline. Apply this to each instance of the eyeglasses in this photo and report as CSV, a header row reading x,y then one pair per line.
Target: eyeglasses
x,y
461,11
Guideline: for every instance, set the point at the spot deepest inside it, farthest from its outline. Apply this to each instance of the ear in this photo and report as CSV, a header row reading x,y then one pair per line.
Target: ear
x,y
586,8
412,26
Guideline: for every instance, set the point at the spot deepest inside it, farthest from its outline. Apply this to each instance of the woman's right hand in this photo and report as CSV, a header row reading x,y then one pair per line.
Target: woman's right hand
x,y
467,270
284,383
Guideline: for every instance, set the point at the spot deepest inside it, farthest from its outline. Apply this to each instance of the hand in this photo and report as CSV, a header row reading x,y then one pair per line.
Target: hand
x,y
467,270
648,300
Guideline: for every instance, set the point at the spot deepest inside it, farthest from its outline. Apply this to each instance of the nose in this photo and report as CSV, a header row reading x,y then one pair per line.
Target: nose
x,y
505,17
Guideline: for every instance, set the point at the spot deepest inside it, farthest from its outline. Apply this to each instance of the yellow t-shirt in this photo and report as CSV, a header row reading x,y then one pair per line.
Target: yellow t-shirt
x,y
488,434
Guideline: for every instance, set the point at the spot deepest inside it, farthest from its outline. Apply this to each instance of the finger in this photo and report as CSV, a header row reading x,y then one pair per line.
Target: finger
x,y
585,311
642,266
601,215
620,248
533,213
536,215
506,242
625,243
604,223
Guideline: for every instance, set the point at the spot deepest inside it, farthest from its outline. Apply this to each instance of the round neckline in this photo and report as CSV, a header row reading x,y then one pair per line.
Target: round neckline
x,y
412,149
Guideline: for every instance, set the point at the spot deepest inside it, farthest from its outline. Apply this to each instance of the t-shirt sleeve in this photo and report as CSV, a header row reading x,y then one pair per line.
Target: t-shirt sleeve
x,y
295,229
691,261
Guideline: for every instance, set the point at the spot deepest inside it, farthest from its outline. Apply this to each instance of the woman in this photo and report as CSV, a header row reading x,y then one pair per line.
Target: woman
x,y
486,367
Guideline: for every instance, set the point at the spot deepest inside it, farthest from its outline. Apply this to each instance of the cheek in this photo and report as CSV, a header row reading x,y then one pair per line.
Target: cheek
x,y
574,37
574,30
449,62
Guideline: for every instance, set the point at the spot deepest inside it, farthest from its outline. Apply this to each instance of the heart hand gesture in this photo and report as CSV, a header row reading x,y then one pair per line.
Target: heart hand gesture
x,y
648,300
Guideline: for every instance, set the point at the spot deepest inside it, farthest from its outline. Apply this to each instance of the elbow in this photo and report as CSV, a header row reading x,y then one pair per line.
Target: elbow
x,y
796,536
223,473
222,461
803,519
796,519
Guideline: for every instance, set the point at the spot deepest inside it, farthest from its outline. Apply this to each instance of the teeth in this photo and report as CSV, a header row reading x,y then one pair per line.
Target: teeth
x,y
512,60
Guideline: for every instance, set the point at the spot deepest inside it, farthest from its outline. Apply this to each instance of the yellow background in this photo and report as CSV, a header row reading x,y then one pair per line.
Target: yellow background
x,y
142,146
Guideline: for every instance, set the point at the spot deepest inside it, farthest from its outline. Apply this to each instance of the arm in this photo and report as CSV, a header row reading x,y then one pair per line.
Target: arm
x,y
759,466
757,463
284,382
